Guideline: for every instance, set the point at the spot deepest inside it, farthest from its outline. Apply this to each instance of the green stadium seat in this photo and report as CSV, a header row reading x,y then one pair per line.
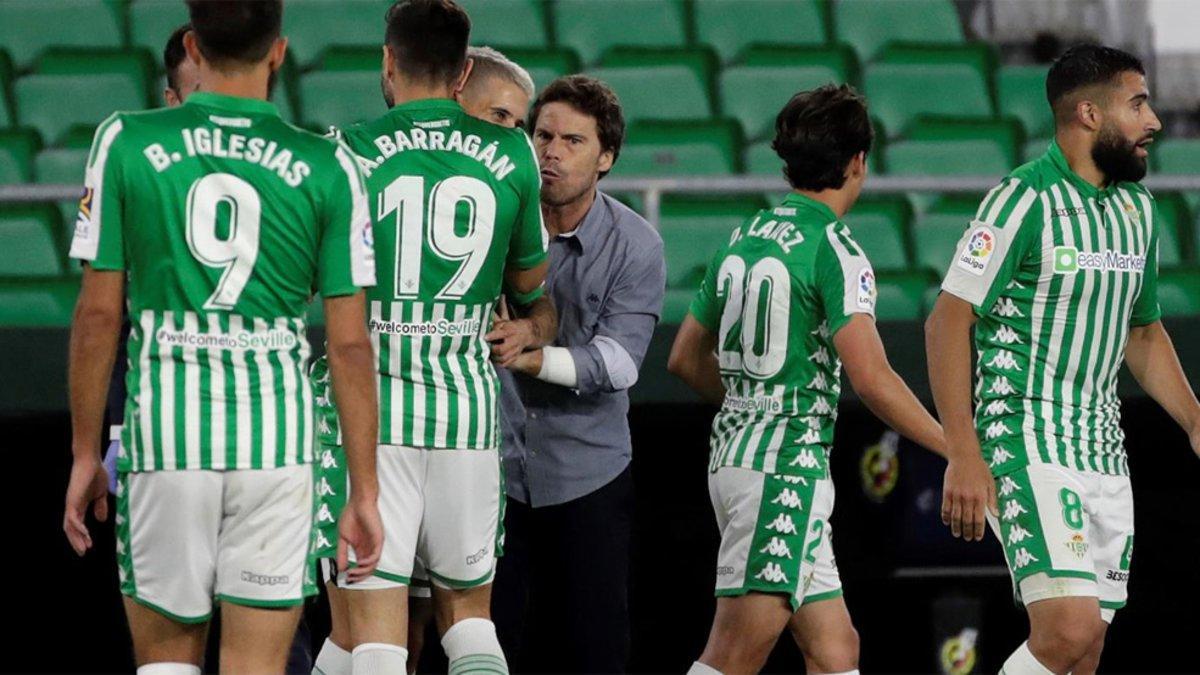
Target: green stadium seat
x,y
508,23
96,82
931,296
545,65
32,26
760,159
1179,292
869,25
151,22
1174,228
591,27
679,148
17,149
728,26
1021,92
755,89
1034,148
676,302
956,147
37,304
8,111
901,296
65,166
1176,155
936,235
286,89
693,228
909,81
312,25
880,226
660,84
344,90
33,230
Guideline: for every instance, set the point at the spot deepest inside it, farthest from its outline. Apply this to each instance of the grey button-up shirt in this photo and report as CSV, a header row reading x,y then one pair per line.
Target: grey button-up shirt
x,y
607,280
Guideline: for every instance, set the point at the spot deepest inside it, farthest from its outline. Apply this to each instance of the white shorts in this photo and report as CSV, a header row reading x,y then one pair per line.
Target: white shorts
x,y
1066,533
441,507
185,537
775,535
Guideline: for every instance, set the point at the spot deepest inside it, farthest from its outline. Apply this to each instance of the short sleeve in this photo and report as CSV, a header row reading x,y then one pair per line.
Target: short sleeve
x,y
1005,230
347,255
99,227
845,281
1146,309
706,307
530,240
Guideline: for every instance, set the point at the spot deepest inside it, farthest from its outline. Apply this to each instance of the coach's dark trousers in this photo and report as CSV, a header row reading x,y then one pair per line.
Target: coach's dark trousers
x,y
561,598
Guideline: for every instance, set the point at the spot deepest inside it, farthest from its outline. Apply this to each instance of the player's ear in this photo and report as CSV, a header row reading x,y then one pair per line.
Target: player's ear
x,y
466,74
192,48
277,54
1089,114
388,65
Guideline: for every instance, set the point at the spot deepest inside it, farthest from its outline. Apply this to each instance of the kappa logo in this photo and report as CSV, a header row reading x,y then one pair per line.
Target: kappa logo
x,y
794,480
1006,308
805,459
788,498
323,427
264,579
1000,456
996,430
822,330
782,524
725,571
323,541
773,573
1002,387
1004,360
1006,336
819,382
977,254
1014,285
1012,509
1023,558
820,407
1018,534
1008,486
997,408
777,548
324,515
328,461
821,356
810,437
324,489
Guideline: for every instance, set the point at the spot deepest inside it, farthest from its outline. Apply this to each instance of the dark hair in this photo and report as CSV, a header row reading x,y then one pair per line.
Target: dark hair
x,y
240,31
428,39
1084,66
818,132
592,98
174,54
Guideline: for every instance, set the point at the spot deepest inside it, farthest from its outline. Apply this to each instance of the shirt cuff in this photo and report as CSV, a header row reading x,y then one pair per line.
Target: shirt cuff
x,y
558,367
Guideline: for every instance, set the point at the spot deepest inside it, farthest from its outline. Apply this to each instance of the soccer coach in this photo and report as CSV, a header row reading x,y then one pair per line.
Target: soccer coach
x,y
566,443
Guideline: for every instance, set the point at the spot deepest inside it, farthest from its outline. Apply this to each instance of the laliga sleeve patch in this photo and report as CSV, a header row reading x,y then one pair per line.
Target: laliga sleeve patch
x,y
977,253
866,289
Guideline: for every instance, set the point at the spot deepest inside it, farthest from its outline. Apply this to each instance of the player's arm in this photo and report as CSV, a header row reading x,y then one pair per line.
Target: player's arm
x,y
693,359
879,386
536,320
95,329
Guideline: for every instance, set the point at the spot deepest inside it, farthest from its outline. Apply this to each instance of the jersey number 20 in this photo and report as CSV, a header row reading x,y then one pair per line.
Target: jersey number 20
x,y
757,301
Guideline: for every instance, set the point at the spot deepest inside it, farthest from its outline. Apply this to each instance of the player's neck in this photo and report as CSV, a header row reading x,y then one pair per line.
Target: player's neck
x,y
565,218
407,93
837,200
247,83
1078,152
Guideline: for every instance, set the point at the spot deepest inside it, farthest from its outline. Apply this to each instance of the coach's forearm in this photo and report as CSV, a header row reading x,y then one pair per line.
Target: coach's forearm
x,y
352,369
948,356
1151,357
93,348
543,319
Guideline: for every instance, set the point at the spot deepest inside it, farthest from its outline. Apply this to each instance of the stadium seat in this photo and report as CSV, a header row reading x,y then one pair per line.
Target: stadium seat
x,y
660,84
1176,155
1034,148
96,82
1179,292
909,81
755,89
37,304
151,22
728,26
32,26
591,27
679,148
545,65
956,147
344,90
676,302
32,229
65,166
880,226
937,233
286,90
693,228
507,23
313,25
1174,229
1021,92
8,112
901,296
869,25
17,148
759,159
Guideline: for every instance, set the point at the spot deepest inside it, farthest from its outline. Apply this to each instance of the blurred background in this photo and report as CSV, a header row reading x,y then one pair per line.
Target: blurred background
x,y
956,88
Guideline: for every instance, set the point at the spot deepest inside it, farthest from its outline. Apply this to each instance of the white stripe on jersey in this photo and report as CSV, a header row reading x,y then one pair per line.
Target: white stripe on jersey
x,y
416,375
291,421
307,440
362,255
146,400
241,392
266,389
1002,201
441,406
1076,350
216,420
462,401
1040,299
191,396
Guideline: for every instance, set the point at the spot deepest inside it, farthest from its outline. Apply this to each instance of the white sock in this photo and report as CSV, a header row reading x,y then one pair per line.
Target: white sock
x,y
472,647
332,660
168,668
1023,662
378,658
702,669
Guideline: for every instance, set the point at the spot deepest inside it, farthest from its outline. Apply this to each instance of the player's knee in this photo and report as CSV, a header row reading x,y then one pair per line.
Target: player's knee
x,y
832,651
1070,640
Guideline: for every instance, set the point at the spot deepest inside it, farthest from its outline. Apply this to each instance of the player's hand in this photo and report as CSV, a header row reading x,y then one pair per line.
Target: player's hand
x,y
88,488
509,339
361,529
968,489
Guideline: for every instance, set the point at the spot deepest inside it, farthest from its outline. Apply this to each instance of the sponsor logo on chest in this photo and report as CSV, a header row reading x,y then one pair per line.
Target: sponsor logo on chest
x,y
1071,260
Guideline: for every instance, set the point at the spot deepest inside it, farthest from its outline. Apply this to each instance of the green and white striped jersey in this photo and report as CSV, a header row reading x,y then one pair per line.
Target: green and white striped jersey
x,y
224,219
457,200
1057,271
789,279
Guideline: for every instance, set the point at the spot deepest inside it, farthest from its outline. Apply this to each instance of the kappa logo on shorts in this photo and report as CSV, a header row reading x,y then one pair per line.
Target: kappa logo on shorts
x,y
324,515
477,556
1012,509
783,524
777,548
1008,486
1023,558
1000,456
1018,534
725,570
323,541
806,459
789,498
773,573
264,579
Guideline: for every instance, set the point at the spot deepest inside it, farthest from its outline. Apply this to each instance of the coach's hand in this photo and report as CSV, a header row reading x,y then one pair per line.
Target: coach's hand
x,y
88,487
361,529
968,489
